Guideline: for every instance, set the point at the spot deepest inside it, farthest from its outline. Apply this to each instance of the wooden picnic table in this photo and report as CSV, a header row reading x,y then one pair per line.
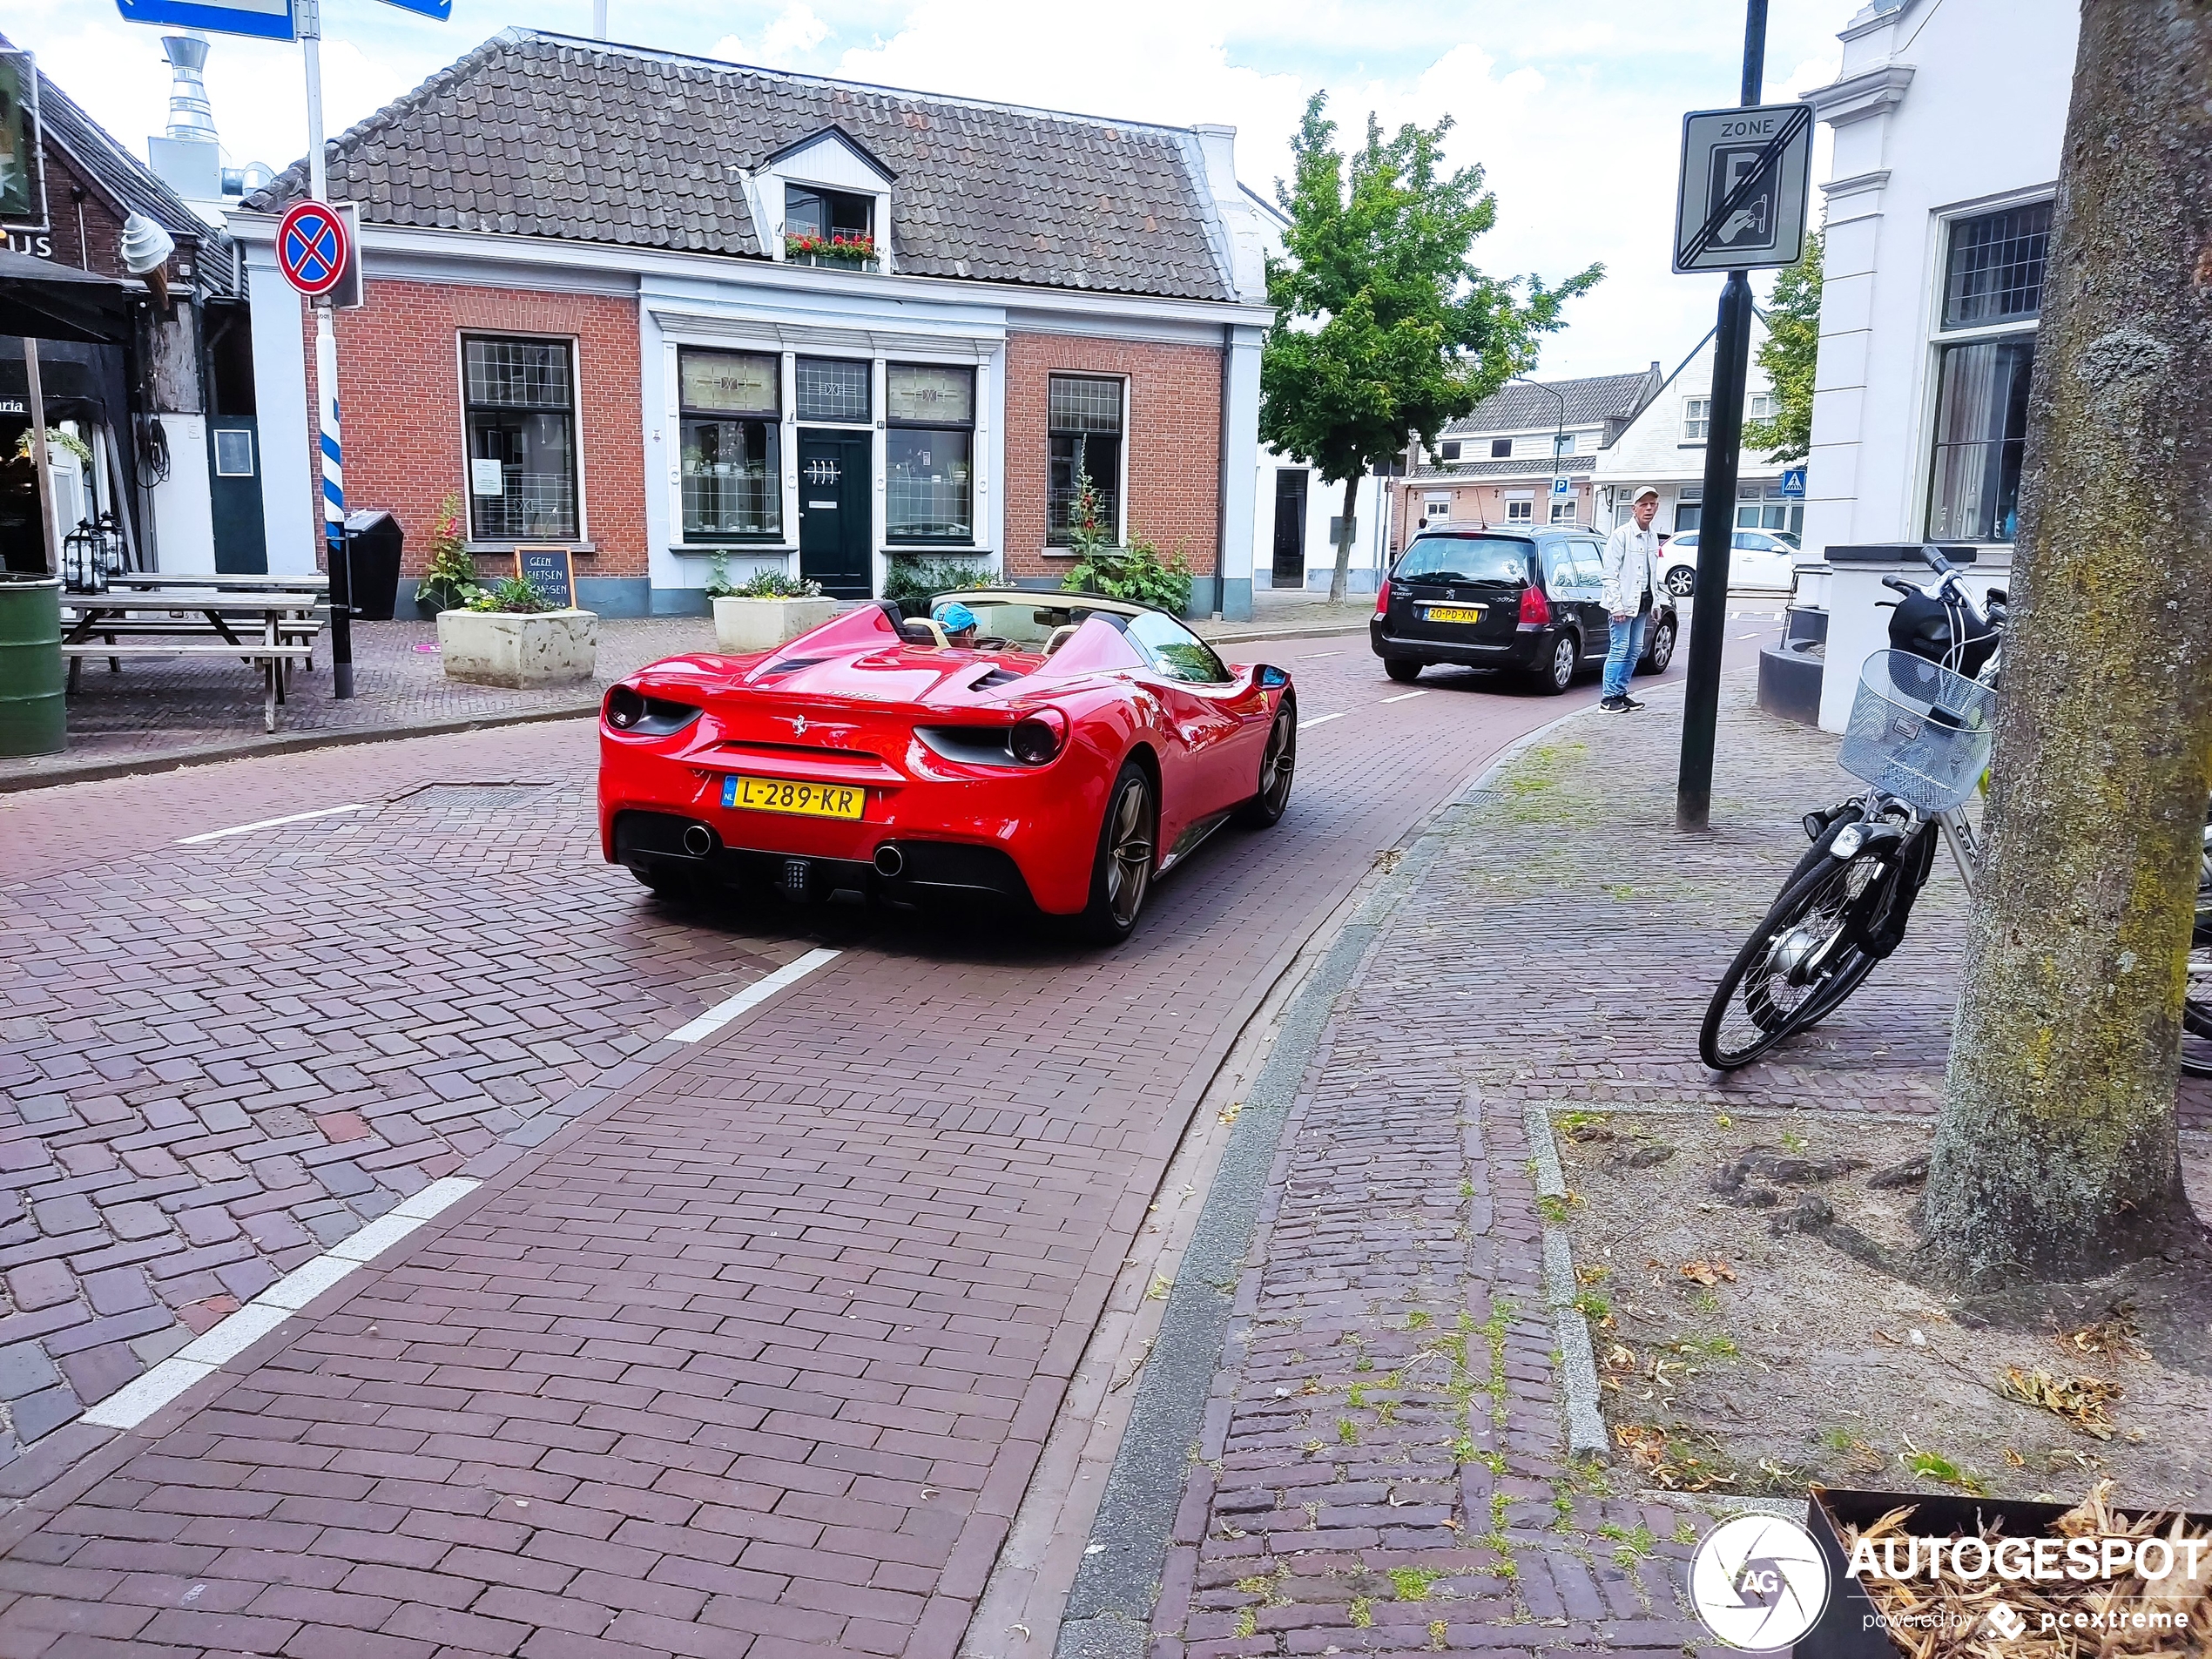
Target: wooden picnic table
x,y
270,630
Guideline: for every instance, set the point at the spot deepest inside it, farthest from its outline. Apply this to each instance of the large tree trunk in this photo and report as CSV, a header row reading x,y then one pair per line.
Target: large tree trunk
x,y
2056,1154
1340,579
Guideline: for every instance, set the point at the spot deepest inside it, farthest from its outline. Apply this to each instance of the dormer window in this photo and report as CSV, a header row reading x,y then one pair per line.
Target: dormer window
x,y
828,225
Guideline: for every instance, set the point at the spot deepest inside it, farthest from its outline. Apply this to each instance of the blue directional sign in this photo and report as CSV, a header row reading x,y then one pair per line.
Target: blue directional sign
x,y
1793,483
441,10
263,19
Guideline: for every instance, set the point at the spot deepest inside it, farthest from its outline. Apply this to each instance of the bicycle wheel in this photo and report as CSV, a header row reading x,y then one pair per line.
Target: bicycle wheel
x,y
2196,999
1806,956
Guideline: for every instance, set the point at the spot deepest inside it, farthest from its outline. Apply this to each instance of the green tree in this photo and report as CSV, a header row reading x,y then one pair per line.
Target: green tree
x,y
2056,1153
1384,329
1790,354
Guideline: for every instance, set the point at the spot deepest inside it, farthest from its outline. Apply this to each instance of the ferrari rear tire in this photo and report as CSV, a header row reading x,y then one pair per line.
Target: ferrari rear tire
x,y
1276,762
1404,670
1121,875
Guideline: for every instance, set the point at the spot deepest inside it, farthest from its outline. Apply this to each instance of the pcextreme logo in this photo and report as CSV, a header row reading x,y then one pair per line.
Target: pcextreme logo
x,y
1758,1582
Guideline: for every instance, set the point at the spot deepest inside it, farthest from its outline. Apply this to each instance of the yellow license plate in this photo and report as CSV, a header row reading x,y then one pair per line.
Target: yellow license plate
x,y
781,795
1451,613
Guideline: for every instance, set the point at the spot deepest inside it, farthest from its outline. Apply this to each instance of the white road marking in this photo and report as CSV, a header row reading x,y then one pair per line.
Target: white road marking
x,y
267,823
1402,695
722,1013
1323,720
226,1338
1313,655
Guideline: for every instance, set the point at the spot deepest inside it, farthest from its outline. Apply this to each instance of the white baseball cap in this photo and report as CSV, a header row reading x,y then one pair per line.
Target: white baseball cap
x,y
1646,491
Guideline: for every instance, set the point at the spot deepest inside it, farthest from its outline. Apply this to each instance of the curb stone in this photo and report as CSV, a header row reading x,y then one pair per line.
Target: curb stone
x,y
1109,1609
1577,1363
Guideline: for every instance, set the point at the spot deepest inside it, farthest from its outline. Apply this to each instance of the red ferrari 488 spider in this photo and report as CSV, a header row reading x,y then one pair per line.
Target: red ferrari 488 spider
x,y
1073,751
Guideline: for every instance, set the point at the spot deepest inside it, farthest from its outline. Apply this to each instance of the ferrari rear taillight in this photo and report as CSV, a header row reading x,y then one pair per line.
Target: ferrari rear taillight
x,y
1037,739
1382,597
1535,610
630,711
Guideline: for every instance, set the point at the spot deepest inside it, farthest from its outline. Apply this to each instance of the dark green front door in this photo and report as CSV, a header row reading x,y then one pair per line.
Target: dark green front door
x,y
234,493
834,509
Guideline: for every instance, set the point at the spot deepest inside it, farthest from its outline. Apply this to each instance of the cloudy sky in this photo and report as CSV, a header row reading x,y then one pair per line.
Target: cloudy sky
x,y
1572,108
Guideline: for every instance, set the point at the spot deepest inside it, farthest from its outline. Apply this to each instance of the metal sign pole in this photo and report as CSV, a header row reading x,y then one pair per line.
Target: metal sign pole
x,y
1717,521
307,21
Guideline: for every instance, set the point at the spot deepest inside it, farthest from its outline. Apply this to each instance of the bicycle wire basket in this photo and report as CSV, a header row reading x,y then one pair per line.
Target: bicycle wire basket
x,y
1918,730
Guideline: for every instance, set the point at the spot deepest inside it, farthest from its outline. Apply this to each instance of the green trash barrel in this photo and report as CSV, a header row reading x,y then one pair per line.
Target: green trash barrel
x,y
32,721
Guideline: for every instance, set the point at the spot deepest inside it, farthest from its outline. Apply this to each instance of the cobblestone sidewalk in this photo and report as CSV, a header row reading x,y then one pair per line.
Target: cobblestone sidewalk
x,y
1382,1464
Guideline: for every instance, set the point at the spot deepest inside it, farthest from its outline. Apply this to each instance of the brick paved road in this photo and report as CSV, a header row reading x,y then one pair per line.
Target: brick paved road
x,y
1382,1463
765,1343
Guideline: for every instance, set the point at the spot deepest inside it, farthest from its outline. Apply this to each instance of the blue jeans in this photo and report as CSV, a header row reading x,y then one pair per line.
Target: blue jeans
x,y
1620,660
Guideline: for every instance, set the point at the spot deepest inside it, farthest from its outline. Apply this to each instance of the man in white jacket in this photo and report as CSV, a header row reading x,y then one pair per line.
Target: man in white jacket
x,y
1631,571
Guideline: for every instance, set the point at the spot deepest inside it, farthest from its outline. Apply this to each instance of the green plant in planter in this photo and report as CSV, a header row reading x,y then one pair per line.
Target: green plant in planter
x,y
774,585
916,581
514,594
450,581
1134,572
56,439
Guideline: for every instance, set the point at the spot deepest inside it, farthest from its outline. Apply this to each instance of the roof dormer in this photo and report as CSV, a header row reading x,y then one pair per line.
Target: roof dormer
x,y
825,200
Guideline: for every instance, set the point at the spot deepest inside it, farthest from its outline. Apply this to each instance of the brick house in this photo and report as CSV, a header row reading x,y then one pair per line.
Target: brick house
x,y
679,315
1498,463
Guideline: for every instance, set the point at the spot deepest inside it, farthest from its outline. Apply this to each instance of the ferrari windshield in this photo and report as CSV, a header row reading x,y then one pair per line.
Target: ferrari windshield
x,y
1025,623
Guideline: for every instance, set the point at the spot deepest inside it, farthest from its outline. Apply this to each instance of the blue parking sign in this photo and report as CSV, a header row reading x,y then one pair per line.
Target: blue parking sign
x,y
1562,486
1793,483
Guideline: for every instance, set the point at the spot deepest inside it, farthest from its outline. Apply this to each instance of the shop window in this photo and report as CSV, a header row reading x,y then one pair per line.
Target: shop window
x,y
830,388
519,403
928,452
731,467
1084,421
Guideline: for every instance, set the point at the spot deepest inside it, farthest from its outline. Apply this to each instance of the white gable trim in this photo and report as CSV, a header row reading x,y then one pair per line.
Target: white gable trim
x,y
829,160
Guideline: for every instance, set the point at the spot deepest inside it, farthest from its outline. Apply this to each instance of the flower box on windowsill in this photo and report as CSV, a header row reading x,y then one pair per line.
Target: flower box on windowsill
x,y
835,262
743,626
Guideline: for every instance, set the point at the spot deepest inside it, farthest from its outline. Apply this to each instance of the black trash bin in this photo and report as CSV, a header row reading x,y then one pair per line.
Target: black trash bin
x,y
372,543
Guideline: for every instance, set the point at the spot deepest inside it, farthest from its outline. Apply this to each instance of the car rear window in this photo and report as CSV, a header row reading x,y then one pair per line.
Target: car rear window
x,y
1465,559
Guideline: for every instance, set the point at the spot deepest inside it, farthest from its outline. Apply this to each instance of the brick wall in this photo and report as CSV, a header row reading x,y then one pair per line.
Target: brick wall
x,y
1477,505
399,383
1174,437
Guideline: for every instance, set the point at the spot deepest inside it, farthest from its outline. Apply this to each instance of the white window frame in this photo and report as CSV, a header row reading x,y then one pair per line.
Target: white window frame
x,y
583,543
1562,443
1920,500
1494,442
1564,509
1696,419
1437,507
1129,444
1520,509
1758,406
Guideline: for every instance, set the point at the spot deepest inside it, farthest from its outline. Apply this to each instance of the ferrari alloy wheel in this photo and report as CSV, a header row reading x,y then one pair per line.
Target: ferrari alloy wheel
x,y
1277,762
1121,879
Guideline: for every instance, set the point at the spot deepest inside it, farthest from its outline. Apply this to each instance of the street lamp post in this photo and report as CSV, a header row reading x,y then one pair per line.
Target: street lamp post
x,y
1558,430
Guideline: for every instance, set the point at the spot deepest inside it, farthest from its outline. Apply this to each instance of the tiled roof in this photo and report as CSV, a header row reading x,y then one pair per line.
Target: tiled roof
x,y
1537,467
543,135
1533,407
130,181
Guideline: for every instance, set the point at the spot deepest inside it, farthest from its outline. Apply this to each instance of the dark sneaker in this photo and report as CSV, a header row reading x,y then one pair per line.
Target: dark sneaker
x,y
1629,702
1615,705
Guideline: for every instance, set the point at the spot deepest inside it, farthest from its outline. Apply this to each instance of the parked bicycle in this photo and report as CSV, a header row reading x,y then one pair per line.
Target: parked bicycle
x,y
1920,736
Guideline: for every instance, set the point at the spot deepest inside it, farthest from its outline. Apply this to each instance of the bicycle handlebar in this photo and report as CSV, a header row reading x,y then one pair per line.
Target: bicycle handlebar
x,y
1932,555
1899,584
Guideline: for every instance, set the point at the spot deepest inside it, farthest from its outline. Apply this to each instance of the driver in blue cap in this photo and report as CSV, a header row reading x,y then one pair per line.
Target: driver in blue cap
x,y
959,624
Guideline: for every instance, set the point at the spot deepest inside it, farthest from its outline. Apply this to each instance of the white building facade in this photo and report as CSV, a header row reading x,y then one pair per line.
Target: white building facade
x,y
1664,447
1948,118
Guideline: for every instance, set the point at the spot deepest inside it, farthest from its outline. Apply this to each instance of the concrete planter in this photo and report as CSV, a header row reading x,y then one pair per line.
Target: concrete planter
x,y
511,649
763,624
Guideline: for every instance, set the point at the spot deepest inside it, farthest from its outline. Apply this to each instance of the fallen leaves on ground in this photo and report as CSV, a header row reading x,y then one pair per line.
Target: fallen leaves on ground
x,y
2081,1400
2115,1337
1703,1272
1665,1461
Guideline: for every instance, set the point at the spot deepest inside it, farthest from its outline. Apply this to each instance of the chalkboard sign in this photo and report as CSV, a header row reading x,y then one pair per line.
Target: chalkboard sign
x,y
551,569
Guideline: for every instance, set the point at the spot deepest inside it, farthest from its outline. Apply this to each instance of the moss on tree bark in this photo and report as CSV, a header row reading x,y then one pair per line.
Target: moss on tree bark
x,y
2056,1155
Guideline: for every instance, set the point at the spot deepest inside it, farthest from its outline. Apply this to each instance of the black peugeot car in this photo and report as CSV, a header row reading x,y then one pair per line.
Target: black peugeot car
x,y
1530,601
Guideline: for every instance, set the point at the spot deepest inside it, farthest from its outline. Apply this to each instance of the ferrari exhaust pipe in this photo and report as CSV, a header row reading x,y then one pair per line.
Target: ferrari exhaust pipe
x,y
889,860
699,841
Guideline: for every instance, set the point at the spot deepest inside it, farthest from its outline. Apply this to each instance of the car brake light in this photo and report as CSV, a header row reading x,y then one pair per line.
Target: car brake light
x,y
1037,739
1535,610
1382,598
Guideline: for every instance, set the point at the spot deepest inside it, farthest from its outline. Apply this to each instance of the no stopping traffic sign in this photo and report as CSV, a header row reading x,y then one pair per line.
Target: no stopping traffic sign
x,y
311,247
